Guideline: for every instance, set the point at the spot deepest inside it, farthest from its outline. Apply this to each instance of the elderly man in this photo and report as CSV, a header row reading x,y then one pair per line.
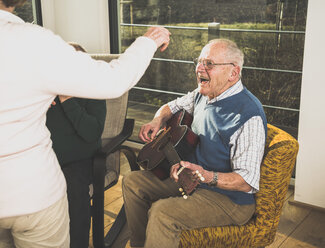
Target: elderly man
x,y
231,126
35,67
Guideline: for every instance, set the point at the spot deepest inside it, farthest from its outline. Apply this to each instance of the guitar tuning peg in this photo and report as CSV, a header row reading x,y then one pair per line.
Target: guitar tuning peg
x,y
200,175
185,196
180,189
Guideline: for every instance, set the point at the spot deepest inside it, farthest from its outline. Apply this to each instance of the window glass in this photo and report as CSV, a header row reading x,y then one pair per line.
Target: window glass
x,y
271,34
25,12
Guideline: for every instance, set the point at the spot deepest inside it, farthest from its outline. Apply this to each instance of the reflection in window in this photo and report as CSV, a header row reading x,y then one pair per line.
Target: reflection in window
x,y
271,34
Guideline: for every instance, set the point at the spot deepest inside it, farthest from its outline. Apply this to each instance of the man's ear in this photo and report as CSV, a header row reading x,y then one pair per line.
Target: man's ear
x,y
235,73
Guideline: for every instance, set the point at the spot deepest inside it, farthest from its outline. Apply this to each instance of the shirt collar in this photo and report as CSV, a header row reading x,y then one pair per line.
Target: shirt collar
x,y
9,17
233,90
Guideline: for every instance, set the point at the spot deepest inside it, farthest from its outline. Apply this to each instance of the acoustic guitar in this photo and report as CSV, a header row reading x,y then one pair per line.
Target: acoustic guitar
x,y
171,145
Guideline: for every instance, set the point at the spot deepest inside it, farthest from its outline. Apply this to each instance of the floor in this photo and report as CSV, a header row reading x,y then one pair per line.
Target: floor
x,y
299,227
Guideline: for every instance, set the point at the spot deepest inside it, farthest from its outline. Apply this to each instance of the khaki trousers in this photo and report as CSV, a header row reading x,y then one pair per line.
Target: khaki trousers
x,y
44,229
156,214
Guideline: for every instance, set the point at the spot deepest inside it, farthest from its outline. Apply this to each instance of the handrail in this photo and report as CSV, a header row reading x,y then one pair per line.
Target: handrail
x,y
221,29
217,27
244,67
183,94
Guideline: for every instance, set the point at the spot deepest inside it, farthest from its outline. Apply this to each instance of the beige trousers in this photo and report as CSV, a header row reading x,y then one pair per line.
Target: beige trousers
x,y
156,214
43,229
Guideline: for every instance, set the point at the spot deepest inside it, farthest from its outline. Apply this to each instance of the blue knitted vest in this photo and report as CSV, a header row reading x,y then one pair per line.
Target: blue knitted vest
x,y
215,123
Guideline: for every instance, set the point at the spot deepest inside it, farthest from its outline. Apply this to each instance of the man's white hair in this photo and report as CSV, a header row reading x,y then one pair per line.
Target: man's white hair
x,y
233,53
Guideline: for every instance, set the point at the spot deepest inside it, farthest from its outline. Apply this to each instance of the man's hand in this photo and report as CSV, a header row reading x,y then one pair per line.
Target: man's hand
x,y
228,181
197,170
148,131
173,171
160,36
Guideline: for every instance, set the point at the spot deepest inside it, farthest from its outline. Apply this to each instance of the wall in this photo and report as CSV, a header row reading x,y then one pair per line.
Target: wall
x,y
81,21
310,171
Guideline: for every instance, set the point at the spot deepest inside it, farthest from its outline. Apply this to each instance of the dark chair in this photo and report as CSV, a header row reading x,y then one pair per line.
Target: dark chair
x,y
106,168
278,162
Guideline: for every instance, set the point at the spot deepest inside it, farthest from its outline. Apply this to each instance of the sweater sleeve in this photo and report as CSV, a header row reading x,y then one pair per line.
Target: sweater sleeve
x,y
57,69
88,120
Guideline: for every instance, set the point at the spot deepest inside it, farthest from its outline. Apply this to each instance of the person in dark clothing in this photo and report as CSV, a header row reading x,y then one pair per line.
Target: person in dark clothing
x,y
76,126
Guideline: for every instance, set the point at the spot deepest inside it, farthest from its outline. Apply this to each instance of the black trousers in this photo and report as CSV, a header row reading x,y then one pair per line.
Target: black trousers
x,y
78,176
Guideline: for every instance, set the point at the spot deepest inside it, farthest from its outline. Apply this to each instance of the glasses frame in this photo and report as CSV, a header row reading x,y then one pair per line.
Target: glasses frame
x,y
209,66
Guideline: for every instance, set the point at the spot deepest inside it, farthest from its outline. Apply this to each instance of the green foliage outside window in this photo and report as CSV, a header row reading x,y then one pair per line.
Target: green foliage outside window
x,y
265,52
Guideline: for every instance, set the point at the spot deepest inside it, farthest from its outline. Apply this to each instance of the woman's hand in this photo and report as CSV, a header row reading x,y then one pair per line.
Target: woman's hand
x,y
160,36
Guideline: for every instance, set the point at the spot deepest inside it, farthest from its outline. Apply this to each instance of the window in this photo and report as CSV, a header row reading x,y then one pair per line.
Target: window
x,y
270,32
25,12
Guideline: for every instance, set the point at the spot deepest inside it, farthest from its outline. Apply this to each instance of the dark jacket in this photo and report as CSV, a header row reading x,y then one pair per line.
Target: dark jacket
x,y
76,126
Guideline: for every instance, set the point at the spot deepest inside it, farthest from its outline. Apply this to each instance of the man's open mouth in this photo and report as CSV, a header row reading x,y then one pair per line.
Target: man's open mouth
x,y
203,80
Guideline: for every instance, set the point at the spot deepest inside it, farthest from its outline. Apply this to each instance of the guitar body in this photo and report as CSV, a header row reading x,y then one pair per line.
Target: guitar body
x,y
184,140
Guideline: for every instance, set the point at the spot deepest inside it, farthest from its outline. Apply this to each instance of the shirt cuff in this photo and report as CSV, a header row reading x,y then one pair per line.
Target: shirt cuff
x,y
147,40
255,188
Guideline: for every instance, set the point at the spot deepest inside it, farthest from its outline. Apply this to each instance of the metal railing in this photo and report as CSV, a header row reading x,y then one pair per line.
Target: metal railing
x,y
214,29
221,29
244,67
183,94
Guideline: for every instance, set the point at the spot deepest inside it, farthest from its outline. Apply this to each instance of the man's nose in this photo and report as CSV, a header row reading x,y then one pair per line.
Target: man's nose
x,y
200,67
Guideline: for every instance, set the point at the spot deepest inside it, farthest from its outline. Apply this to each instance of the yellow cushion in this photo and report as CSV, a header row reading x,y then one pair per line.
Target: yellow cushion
x,y
279,158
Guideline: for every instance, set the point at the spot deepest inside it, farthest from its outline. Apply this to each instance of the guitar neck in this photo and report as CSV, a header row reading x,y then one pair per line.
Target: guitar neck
x,y
177,139
171,154
186,179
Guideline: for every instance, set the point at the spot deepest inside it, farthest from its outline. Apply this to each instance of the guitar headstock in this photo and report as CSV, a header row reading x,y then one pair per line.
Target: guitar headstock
x,y
188,181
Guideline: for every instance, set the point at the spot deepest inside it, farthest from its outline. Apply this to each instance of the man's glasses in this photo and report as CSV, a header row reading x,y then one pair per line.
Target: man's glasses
x,y
208,64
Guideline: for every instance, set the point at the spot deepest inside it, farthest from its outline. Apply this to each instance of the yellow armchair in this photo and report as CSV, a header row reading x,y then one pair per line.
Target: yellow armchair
x,y
280,154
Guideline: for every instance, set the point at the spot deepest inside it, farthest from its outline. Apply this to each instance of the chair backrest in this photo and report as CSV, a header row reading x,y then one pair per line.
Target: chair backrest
x,y
116,108
276,169
115,116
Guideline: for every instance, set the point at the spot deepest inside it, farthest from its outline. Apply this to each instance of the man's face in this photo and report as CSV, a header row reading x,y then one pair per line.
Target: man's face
x,y
214,79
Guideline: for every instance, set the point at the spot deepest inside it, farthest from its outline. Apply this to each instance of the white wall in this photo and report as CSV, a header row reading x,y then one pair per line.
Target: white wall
x,y
81,21
310,171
